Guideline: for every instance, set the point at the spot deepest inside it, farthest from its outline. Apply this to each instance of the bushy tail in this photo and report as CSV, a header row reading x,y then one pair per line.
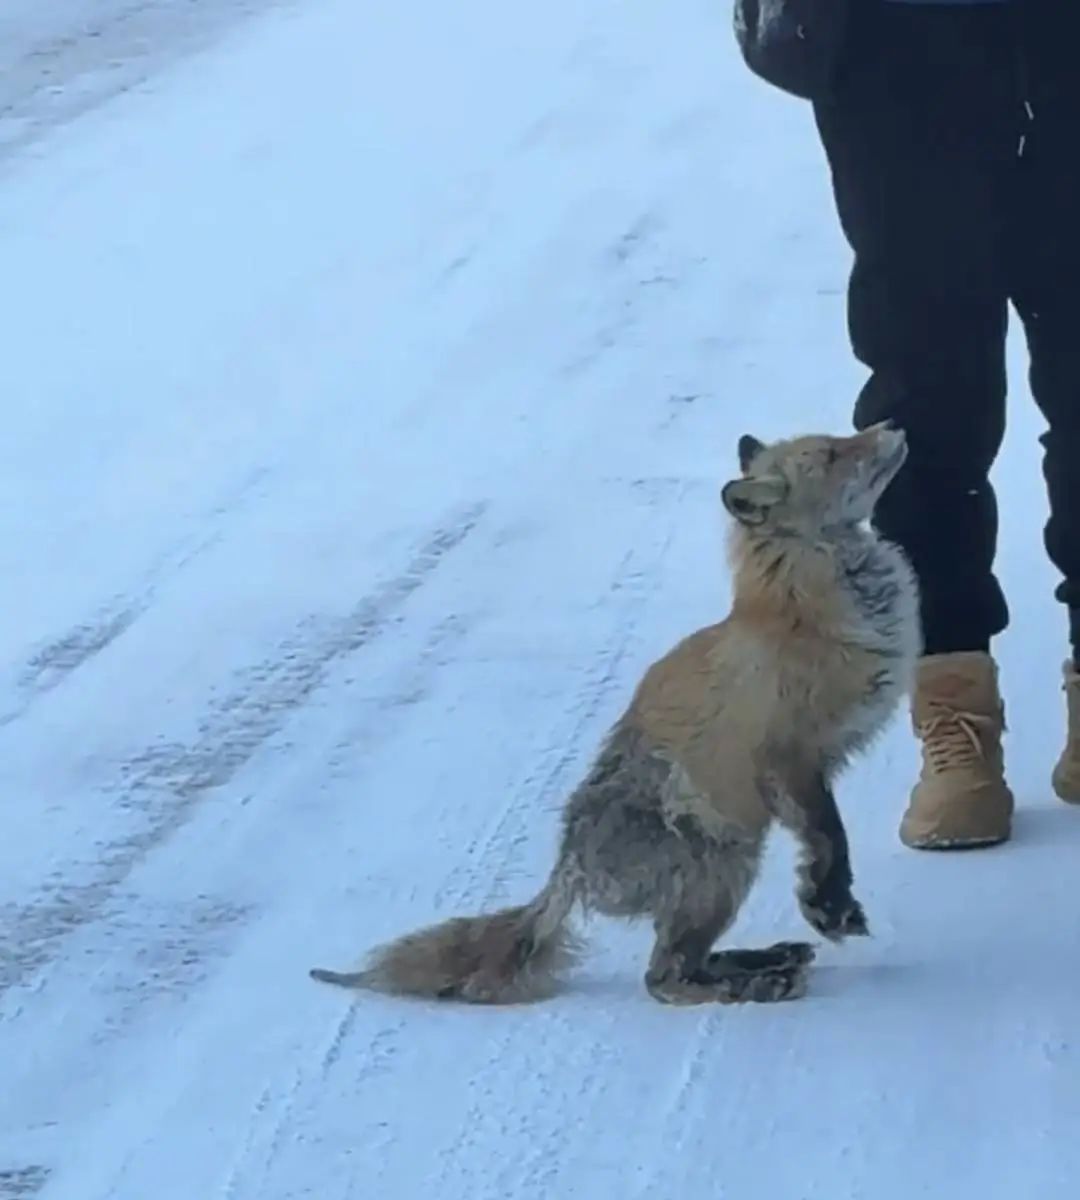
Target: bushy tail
x,y
510,956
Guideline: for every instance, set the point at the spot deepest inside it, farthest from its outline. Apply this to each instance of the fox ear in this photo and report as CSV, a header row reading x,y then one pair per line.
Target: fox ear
x,y
749,500
749,448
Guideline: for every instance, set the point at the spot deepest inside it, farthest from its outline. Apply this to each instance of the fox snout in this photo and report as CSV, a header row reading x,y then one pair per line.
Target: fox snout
x,y
888,434
890,451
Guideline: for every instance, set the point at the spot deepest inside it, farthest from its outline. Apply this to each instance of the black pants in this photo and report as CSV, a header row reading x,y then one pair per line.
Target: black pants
x,y
953,138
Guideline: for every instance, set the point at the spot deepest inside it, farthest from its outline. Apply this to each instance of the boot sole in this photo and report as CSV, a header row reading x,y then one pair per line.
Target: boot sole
x,y
955,843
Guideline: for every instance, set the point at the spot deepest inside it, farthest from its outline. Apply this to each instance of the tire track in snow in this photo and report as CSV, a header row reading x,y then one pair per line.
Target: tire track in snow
x,y
476,882
166,781
157,953
545,786
20,1183
264,1137
635,580
168,950
53,663
478,1117
549,1053
479,883
76,60
266,1132
272,1115
673,1121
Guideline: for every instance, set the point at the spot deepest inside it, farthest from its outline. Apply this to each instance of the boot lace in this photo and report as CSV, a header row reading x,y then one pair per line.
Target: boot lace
x,y
953,739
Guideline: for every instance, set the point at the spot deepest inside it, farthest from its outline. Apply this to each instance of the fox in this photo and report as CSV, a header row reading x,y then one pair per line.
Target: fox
x,y
743,724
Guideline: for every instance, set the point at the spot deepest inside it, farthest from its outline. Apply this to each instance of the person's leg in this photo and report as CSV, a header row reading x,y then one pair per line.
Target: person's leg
x,y
919,137
1044,269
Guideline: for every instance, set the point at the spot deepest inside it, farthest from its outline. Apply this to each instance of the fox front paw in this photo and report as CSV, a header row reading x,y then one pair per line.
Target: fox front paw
x,y
835,917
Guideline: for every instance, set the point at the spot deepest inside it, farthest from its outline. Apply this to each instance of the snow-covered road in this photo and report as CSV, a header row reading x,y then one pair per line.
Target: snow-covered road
x,y
61,58
368,381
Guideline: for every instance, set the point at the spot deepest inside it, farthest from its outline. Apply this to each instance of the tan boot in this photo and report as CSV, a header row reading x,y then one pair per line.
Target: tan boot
x,y
961,799
1066,777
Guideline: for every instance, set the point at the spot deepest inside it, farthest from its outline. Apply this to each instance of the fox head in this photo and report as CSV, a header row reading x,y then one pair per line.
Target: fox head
x,y
808,484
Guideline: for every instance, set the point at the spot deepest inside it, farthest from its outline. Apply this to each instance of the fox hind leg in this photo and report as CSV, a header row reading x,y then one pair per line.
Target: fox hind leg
x,y
677,969
684,969
761,976
725,977
782,954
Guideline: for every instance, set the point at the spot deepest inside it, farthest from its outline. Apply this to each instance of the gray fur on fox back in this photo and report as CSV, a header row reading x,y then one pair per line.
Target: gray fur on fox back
x,y
741,724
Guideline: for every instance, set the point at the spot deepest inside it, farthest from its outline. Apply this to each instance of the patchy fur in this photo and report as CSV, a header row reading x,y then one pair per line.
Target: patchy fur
x,y
741,724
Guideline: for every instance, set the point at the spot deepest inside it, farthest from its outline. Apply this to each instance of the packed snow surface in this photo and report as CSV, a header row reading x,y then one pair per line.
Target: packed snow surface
x,y
369,375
